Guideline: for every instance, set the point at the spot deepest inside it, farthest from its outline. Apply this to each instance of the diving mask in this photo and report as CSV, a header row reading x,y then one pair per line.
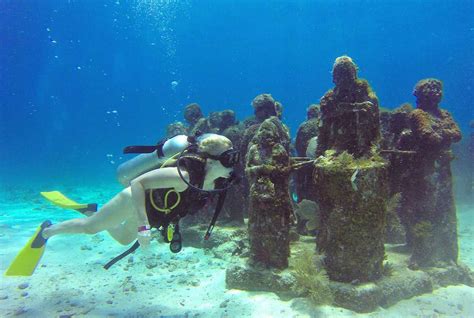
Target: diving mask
x,y
228,158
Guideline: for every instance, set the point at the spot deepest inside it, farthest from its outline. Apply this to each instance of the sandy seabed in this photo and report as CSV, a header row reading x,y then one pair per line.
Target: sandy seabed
x,y
71,282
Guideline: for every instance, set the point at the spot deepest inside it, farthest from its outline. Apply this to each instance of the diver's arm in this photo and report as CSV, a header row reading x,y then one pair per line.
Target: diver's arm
x,y
138,201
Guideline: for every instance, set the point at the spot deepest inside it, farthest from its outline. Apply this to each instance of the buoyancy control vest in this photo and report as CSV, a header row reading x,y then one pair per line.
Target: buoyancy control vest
x,y
165,206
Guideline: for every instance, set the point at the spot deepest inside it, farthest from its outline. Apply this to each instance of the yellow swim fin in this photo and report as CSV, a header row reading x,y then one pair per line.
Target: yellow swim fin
x,y
28,258
59,199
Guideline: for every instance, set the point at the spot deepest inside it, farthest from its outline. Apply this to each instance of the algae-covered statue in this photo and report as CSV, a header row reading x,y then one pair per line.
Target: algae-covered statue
x,y
349,113
268,169
351,184
192,114
264,107
428,205
216,123
395,126
175,129
306,143
306,131
350,179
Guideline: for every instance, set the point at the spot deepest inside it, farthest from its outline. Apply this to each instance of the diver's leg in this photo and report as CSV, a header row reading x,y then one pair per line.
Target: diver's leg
x,y
126,232
111,215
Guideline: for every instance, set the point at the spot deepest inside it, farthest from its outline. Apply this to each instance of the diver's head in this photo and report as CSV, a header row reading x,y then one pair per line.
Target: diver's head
x,y
221,157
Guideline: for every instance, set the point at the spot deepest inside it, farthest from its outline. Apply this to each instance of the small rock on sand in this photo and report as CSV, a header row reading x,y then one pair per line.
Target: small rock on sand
x,y
20,311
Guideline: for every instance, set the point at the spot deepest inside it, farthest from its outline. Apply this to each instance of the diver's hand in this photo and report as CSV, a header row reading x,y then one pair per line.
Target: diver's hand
x,y
144,237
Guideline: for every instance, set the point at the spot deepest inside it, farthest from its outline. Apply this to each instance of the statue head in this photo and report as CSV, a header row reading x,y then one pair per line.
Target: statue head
x,y
312,111
264,106
344,71
192,113
428,93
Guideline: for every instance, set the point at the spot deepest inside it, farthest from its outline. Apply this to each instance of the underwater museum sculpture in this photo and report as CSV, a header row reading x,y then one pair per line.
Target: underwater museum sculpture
x,y
349,113
350,179
395,126
428,211
353,187
305,144
307,130
216,123
192,114
222,120
354,193
264,107
176,128
268,169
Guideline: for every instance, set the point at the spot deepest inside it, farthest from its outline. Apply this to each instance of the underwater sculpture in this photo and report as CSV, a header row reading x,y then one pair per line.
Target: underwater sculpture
x,y
349,113
395,125
264,107
305,144
428,209
350,179
307,130
222,120
176,128
216,123
352,186
192,114
268,169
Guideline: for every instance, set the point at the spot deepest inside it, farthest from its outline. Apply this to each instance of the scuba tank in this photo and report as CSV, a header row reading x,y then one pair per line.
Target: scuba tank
x,y
149,158
152,157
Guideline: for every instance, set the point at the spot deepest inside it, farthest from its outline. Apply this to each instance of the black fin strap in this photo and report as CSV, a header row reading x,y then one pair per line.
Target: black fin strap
x,y
118,258
139,149
159,148
219,205
91,207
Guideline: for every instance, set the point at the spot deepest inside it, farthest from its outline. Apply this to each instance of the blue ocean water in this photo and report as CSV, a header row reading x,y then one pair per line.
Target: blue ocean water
x,y
82,79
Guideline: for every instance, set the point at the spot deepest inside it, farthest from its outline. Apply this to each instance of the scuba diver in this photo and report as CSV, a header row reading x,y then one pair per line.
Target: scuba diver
x,y
163,184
